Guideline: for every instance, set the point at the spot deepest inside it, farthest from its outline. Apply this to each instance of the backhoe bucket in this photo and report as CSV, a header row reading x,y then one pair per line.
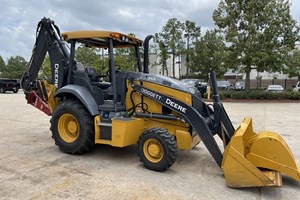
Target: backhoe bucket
x,y
254,160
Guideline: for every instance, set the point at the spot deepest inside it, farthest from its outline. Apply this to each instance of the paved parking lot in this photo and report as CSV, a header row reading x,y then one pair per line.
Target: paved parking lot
x,y
32,167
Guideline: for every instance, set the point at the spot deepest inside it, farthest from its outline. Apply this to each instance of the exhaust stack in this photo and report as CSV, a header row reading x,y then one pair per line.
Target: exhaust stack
x,y
146,53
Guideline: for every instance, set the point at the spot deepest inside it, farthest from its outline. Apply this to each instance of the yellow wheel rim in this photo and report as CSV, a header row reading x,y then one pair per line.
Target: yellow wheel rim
x,y
68,128
153,150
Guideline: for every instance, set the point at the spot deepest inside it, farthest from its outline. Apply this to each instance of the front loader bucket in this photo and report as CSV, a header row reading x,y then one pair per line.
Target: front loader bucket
x,y
254,160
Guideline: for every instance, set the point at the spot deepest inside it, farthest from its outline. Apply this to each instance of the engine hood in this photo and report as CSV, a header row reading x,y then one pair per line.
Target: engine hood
x,y
159,79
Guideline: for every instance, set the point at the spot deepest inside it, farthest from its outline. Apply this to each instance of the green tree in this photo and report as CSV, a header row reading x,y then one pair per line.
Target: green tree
x,y
209,54
191,33
293,67
125,59
259,34
15,67
90,56
161,50
171,36
2,65
45,72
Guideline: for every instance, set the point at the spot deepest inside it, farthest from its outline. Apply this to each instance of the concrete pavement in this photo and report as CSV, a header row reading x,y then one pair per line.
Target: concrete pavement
x,y
32,167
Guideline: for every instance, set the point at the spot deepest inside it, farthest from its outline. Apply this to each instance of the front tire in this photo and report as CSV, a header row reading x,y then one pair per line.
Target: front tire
x,y
72,127
157,149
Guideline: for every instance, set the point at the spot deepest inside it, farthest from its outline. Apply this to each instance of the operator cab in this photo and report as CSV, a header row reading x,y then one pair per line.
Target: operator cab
x,y
109,94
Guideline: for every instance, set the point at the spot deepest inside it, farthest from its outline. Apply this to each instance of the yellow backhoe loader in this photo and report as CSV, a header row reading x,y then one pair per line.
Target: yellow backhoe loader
x,y
158,113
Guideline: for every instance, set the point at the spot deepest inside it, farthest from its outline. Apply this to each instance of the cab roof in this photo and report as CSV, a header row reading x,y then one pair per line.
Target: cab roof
x,y
100,39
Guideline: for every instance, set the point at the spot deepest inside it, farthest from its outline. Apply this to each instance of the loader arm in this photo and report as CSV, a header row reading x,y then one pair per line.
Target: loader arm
x,y
189,114
204,126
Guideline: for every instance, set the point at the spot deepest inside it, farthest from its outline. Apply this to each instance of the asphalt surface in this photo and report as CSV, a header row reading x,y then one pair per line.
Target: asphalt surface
x,y
32,167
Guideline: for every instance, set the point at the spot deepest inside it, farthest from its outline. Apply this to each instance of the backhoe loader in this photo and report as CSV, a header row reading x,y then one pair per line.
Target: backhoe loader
x,y
157,113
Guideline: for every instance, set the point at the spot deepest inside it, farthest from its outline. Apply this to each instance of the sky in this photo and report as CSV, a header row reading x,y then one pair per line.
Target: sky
x,y
18,18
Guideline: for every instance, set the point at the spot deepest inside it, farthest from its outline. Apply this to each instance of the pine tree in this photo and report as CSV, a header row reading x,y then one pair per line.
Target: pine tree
x,y
2,66
172,38
192,32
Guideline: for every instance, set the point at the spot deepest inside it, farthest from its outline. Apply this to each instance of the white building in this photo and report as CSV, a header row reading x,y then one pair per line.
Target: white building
x,y
155,68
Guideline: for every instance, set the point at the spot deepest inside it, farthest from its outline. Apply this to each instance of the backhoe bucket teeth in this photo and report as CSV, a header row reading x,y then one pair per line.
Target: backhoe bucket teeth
x,y
254,160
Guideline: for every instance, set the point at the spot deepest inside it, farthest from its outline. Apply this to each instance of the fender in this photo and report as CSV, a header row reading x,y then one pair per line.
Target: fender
x,y
82,94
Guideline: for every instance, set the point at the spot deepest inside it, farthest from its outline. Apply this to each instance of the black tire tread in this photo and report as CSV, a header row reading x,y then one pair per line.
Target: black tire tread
x,y
86,143
170,154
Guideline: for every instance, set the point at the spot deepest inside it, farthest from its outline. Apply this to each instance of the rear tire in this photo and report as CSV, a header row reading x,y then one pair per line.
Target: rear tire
x,y
15,90
72,127
157,149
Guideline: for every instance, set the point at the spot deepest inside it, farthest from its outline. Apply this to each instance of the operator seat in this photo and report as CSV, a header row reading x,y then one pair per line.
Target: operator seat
x,y
95,78
93,74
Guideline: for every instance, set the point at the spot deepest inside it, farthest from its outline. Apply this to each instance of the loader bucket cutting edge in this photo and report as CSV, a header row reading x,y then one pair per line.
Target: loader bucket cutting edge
x,y
255,160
